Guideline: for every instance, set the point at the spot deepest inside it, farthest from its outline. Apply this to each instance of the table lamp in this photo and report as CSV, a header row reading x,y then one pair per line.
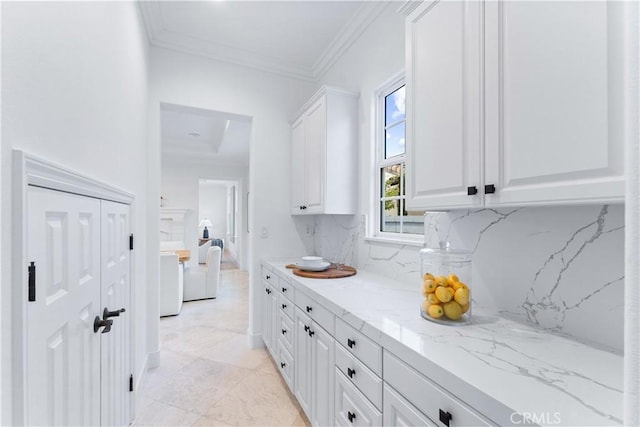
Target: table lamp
x,y
205,223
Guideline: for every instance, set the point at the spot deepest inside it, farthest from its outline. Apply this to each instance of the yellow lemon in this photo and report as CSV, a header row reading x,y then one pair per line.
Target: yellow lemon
x,y
464,286
452,278
429,286
442,281
443,294
432,299
428,276
425,305
462,296
456,285
435,311
452,310
465,308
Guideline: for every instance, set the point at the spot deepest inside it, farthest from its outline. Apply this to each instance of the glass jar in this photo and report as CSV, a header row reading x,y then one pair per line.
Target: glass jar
x,y
446,285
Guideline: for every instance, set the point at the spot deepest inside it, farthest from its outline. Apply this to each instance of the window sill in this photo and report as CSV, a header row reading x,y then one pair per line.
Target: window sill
x,y
417,242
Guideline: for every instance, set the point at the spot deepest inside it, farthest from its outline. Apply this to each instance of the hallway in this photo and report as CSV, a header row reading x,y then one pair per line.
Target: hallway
x,y
208,376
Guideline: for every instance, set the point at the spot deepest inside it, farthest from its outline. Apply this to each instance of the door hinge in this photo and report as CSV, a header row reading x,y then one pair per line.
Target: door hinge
x,y
131,382
131,242
32,281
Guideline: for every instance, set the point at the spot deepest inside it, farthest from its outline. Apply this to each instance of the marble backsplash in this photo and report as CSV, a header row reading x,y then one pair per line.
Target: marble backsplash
x,y
556,268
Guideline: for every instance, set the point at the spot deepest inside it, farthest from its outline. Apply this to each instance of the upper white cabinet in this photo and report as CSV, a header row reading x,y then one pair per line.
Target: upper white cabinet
x,y
515,103
324,141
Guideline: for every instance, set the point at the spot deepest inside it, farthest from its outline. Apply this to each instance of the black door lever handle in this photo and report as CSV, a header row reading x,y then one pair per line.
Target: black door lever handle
x,y
99,323
107,314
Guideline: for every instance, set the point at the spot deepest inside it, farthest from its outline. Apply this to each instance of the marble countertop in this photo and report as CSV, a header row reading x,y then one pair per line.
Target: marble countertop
x,y
505,370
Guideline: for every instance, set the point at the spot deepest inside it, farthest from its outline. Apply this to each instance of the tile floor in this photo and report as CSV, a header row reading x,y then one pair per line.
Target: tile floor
x,y
208,376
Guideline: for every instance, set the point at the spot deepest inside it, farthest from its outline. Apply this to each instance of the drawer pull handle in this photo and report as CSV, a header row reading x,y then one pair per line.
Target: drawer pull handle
x,y
267,291
282,364
268,277
309,309
306,328
350,342
445,417
284,331
489,189
284,289
311,333
284,306
351,372
472,191
351,416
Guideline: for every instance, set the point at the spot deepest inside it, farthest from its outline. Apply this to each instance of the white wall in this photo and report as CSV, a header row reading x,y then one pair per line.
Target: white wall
x,y
74,91
180,187
270,100
214,205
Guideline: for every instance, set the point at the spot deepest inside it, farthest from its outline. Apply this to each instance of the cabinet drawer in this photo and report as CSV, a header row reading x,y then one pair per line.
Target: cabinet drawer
x,y
268,275
352,408
317,312
360,346
285,364
427,397
362,377
286,306
399,412
285,288
285,331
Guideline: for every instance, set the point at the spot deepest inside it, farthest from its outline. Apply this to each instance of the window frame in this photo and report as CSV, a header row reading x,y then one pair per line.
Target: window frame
x,y
379,162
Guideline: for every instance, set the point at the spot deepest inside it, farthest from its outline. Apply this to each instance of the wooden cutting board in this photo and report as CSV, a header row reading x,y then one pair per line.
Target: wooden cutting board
x,y
329,273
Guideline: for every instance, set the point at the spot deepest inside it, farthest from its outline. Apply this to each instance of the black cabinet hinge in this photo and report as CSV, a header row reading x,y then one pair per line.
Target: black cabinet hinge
x,y
131,242
131,382
32,281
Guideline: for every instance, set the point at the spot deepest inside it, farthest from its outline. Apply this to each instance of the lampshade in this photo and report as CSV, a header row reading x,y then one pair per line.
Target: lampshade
x,y
205,223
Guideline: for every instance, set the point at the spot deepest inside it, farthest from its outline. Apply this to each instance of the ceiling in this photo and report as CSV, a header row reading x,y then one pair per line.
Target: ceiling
x,y
214,136
299,39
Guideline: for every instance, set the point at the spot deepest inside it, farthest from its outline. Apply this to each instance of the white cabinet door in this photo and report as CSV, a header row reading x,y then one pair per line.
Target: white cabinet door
x,y
298,168
323,359
269,319
398,412
316,137
554,101
115,291
443,74
63,352
304,350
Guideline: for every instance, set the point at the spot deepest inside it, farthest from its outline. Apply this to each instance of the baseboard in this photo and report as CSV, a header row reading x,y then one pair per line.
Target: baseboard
x,y
255,340
153,359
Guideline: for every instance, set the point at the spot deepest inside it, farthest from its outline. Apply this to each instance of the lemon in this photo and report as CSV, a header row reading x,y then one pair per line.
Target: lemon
x,y
465,308
443,294
442,281
462,285
452,278
425,305
432,299
429,286
452,310
435,311
456,285
428,276
462,296
425,290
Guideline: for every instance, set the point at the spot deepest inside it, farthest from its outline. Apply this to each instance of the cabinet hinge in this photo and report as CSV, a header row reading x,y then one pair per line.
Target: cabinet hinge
x,y
131,242
32,281
131,382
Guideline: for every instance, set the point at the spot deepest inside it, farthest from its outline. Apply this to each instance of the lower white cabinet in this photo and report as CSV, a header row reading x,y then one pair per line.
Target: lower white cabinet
x,y
352,407
398,412
314,356
269,317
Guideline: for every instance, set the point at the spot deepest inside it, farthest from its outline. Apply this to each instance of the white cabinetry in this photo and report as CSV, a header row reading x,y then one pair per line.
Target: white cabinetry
x,y
269,312
324,154
533,115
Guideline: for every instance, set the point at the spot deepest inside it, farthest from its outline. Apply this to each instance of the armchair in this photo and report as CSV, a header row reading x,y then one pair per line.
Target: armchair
x,y
171,284
202,282
202,251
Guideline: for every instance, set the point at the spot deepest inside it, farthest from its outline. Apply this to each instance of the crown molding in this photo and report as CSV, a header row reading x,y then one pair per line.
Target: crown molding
x,y
351,31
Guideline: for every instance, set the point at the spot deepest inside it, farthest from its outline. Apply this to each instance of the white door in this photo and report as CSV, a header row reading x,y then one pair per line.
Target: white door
x,y
443,74
554,101
63,352
322,370
316,138
115,291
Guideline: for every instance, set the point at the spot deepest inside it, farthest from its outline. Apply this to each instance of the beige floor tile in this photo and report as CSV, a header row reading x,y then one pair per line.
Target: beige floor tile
x,y
301,421
236,351
205,421
160,414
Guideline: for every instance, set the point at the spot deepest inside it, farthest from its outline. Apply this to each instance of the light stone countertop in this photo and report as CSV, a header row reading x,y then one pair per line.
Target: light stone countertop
x,y
495,365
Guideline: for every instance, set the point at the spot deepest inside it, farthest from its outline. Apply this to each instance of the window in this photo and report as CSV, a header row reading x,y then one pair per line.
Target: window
x,y
392,217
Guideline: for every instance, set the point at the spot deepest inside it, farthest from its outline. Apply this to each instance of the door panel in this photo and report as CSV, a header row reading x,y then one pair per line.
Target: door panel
x,y
63,358
316,137
115,296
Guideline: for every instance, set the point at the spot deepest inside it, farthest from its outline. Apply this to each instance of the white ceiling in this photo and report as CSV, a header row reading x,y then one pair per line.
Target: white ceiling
x,y
221,137
300,38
